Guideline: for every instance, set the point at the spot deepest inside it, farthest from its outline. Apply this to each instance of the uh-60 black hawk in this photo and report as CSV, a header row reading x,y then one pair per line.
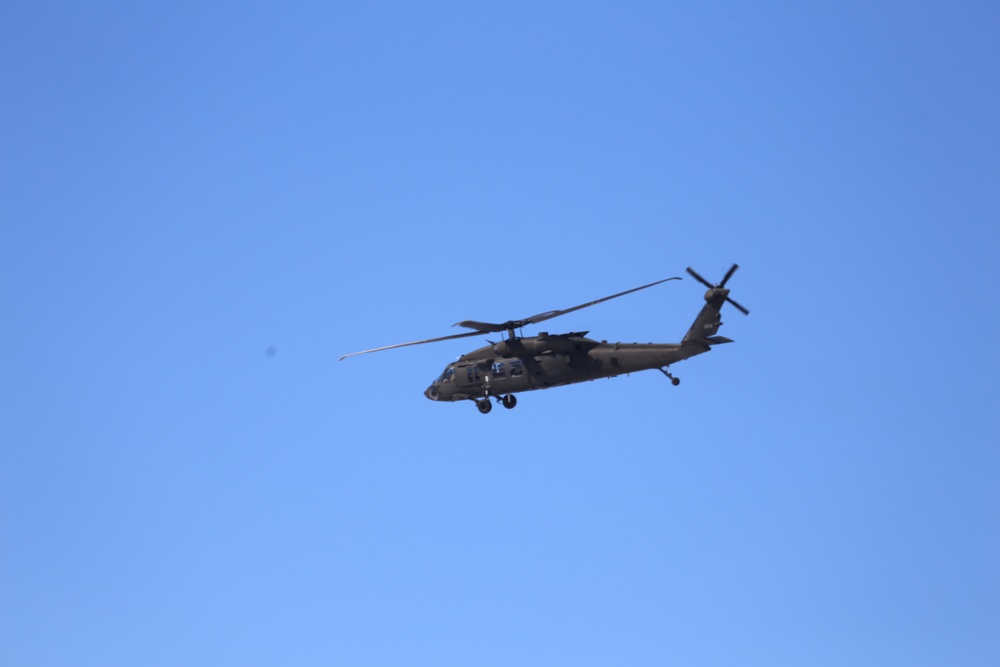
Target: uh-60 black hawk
x,y
517,363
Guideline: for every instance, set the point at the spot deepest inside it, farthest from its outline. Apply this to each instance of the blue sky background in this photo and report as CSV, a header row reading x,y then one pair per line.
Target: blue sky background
x,y
187,185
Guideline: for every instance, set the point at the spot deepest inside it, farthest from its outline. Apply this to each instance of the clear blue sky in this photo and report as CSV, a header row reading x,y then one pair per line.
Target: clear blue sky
x,y
184,186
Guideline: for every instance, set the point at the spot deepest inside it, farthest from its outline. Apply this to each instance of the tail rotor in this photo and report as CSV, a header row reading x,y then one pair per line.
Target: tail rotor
x,y
720,285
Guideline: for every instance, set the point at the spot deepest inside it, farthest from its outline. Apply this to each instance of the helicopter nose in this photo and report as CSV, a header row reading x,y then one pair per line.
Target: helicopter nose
x,y
431,392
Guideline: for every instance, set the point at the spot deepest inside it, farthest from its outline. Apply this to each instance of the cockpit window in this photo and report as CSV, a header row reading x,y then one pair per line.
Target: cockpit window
x,y
448,375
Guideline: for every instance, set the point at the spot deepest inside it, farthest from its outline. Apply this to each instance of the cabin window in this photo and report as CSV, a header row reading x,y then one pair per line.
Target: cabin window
x,y
473,373
499,370
516,368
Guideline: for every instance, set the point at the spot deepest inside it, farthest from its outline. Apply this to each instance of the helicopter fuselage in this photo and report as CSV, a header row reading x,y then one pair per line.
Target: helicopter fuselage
x,y
544,361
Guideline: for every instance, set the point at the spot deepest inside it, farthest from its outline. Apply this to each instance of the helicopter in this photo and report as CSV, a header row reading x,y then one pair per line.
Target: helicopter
x,y
516,363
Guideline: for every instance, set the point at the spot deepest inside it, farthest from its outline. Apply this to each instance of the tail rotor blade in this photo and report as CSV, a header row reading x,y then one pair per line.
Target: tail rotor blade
x,y
697,277
738,306
729,274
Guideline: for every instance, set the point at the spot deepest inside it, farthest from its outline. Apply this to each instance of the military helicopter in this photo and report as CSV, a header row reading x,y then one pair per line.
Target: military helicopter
x,y
517,364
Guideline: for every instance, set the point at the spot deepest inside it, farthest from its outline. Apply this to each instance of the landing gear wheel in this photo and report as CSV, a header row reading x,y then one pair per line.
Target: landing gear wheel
x,y
509,401
674,381
484,405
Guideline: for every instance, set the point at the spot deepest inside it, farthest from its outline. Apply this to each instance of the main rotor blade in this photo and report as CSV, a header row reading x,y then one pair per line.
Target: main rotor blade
x,y
729,274
416,342
483,327
699,278
487,327
541,317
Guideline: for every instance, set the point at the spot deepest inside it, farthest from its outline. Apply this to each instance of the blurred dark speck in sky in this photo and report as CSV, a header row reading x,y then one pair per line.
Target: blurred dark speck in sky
x,y
271,352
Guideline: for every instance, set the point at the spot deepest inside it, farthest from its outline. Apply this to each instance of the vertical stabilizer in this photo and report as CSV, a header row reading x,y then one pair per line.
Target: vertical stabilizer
x,y
709,319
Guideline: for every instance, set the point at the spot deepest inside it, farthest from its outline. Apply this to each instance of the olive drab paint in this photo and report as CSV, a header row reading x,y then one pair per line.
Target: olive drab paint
x,y
518,364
